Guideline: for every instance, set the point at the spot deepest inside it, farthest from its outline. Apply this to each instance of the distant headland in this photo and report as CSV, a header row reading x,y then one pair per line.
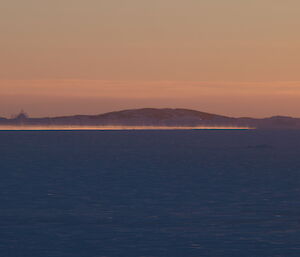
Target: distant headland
x,y
152,118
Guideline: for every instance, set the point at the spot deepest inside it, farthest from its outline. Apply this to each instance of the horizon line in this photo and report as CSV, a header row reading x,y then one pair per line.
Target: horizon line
x,y
116,128
22,111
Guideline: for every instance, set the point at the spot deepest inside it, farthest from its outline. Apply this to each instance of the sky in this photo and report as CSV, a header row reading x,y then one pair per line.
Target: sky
x,y
238,58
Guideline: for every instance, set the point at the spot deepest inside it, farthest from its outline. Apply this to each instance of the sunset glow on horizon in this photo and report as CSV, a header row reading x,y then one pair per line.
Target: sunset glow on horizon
x,y
104,128
233,58
41,98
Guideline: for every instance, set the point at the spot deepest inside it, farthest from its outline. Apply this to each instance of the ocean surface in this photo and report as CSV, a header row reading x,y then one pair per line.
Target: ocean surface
x,y
150,193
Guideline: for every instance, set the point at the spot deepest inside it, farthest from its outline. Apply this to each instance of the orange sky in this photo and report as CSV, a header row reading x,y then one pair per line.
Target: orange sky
x,y
230,57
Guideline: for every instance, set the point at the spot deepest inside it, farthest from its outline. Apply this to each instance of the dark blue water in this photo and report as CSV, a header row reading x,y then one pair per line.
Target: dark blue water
x,y
150,193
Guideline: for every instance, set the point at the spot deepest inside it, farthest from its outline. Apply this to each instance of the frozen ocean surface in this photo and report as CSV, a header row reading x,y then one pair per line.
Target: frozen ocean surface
x,y
150,193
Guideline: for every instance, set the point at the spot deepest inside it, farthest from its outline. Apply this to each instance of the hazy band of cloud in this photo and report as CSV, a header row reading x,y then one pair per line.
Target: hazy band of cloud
x,y
143,89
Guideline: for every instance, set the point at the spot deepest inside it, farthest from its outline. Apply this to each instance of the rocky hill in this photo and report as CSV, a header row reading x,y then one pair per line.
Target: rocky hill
x,y
156,117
